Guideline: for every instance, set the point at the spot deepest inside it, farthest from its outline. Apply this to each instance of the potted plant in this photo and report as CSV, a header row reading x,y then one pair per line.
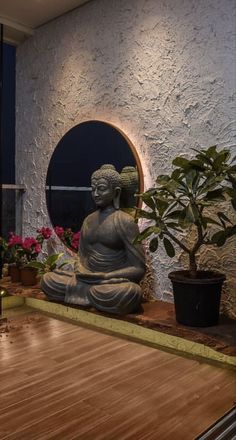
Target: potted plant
x,y
49,264
11,255
30,249
185,210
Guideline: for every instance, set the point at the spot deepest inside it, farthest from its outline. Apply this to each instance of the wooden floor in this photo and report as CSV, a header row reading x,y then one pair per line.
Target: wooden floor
x,y
155,315
63,382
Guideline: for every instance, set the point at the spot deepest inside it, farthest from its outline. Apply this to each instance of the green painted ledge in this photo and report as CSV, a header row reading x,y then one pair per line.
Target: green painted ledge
x,y
134,331
9,302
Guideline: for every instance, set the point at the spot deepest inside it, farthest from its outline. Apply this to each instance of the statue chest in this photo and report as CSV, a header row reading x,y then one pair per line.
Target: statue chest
x,y
102,231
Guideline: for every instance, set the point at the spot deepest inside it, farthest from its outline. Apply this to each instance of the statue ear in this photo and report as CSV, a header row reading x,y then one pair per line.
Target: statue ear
x,y
116,199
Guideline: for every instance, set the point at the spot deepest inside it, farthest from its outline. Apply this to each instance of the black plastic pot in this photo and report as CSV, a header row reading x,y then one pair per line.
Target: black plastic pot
x,y
197,300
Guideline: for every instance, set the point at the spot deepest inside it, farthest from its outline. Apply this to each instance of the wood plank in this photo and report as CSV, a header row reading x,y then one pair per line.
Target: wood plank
x,y
63,382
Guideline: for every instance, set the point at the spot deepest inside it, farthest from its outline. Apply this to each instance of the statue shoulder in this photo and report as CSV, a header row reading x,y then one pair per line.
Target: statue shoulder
x,y
127,221
128,231
89,219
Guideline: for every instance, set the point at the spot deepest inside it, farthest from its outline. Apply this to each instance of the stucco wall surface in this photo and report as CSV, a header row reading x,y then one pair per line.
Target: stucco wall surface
x,y
161,70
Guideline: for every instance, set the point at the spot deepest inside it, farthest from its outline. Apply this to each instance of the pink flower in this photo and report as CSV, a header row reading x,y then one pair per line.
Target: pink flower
x,y
23,250
75,245
45,232
59,231
14,240
75,241
28,243
76,236
68,237
31,245
37,248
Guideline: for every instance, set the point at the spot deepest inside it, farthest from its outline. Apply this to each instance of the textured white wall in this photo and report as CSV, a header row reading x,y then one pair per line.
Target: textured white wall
x,y
162,70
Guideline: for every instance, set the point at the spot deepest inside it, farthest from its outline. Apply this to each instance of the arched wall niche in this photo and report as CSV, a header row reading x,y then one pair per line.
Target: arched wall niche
x,y
81,151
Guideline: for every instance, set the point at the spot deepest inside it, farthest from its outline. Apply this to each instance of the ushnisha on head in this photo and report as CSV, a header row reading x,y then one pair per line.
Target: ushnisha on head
x,y
106,187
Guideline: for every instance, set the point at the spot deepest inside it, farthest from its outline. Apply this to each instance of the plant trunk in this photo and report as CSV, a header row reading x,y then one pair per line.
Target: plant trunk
x,y
192,265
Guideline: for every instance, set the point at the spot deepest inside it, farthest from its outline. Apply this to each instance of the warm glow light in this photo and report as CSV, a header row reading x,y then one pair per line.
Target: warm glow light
x,y
3,292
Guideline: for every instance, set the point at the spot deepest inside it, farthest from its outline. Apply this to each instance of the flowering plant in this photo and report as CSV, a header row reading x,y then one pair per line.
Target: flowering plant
x,y
43,234
68,237
23,250
11,248
30,249
20,250
49,264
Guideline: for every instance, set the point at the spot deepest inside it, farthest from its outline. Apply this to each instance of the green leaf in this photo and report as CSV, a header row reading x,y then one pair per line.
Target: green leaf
x,y
202,157
169,247
222,216
192,214
175,214
147,198
153,245
190,178
217,194
210,152
232,170
196,182
230,231
182,187
220,159
180,162
52,259
231,192
206,220
232,181
149,192
146,233
51,268
161,204
209,184
196,164
176,174
219,238
171,186
162,179
141,213
173,225
36,264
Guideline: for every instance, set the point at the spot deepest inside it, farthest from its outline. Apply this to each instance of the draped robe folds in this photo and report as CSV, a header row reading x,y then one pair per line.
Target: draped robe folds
x,y
105,247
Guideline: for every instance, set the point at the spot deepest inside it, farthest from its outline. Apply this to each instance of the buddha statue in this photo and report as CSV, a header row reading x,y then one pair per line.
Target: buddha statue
x,y
109,266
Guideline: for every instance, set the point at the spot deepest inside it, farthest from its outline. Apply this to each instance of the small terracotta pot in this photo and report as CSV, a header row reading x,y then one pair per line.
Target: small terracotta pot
x,y
28,276
14,273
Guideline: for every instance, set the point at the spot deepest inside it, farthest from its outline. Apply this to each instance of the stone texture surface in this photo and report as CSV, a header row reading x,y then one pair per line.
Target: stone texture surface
x,y
161,70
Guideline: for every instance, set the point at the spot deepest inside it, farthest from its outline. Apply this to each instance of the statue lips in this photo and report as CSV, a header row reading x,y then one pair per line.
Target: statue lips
x,y
99,203
97,200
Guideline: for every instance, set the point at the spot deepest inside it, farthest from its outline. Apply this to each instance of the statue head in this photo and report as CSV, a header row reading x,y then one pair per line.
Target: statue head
x,y
106,186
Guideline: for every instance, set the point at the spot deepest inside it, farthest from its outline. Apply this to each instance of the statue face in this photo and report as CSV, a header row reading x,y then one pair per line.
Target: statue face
x,y
102,192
